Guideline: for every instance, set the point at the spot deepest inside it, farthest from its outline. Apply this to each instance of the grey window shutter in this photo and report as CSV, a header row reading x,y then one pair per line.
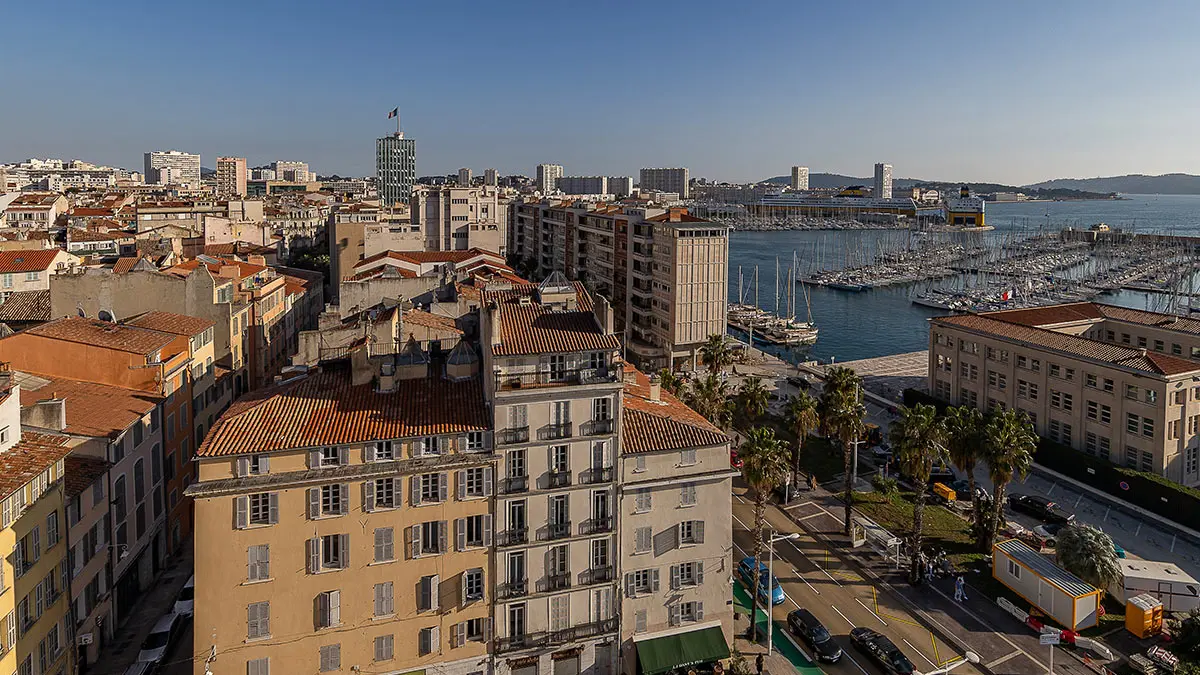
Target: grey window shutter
x,y
397,494
443,445
698,531
314,554
639,621
435,586
414,491
435,638
335,607
487,529
314,502
487,481
460,635
314,459
674,577
654,581
415,539
368,495
443,486
323,610
487,630
344,489
264,464
699,611
242,512
442,536
674,616
460,484
343,455
678,539
273,508
369,452
243,466
344,544
379,600
424,595
629,586
460,534
699,572
462,443
462,590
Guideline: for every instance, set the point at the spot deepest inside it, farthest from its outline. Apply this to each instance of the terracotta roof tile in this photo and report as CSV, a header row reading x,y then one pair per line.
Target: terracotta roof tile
x,y
417,317
15,262
530,328
1172,322
169,322
323,408
1049,316
665,424
82,471
26,306
96,410
104,334
80,234
32,455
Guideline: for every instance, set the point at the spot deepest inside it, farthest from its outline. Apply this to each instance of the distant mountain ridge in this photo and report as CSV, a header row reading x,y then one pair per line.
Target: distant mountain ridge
x,y
829,181
1164,184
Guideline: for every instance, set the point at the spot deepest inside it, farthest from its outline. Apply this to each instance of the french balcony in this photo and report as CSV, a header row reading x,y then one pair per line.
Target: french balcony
x,y
514,485
558,530
512,436
513,590
513,536
555,378
558,582
558,479
596,474
596,427
597,575
583,631
597,525
553,432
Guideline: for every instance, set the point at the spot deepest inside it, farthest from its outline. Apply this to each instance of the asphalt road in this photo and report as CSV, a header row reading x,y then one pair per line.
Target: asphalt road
x,y
178,660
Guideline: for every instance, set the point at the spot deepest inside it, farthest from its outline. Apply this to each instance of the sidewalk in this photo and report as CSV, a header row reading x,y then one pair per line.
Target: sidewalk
x,y
785,657
156,601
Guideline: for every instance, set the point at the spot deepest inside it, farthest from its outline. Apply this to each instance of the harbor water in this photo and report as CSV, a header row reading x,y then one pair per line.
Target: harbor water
x,y
883,321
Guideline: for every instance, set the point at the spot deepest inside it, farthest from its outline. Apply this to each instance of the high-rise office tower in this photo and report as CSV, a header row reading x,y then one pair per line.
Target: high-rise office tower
x,y
395,168
231,176
185,167
547,177
665,180
799,177
883,181
464,177
491,177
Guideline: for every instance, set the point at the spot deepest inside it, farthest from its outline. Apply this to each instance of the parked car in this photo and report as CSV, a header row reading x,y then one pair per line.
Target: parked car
x,y
155,646
798,382
1048,534
1041,508
962,488
734,461
808,628
185,603
766,584
882,452
882,651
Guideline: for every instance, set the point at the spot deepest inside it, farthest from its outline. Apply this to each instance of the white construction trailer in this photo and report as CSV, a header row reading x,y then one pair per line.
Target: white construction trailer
x,y
1178,590
1061,595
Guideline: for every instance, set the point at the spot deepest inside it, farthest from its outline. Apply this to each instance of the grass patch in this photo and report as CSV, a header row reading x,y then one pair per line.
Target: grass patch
x,y
943,528
819,455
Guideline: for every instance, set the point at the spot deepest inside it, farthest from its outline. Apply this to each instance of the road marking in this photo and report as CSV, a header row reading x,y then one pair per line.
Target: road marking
x,y
1105,518
982,622
1173,538
1077,500
842,615
789,599
936,656
918,651
872,613
1002,659
796,644
811,515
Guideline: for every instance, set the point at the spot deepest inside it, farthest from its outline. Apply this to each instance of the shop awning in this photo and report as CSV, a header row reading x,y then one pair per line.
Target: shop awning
x,y
664,654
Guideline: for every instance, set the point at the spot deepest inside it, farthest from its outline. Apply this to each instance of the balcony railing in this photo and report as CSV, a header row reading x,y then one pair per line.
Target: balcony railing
x,y
558,479
597,575
513,589
554,378
558,582
512,435
558,530
597,474
544,639
552,432
596,427
514,484
512,536
597,525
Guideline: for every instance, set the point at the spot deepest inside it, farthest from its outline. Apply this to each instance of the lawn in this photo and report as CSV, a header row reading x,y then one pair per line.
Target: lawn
x,y
819,455
943,528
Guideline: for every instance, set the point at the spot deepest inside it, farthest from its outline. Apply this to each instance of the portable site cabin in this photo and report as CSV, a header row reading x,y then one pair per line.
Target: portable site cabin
x,y
1061,595
1178,591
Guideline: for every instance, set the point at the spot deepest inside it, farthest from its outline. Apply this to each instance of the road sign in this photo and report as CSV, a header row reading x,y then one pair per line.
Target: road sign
x,y
1049,638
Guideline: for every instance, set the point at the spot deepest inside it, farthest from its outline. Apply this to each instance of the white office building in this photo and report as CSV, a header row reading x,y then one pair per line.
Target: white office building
x,y
883,181
547,177
395,168
583,185
491,177
296,172
184,167
799,178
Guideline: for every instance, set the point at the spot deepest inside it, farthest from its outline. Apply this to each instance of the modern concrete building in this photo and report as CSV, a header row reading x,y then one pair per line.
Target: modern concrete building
x,y
456,218
583,185
620,186
547,177
231,177
395,168
38,210
799,178
555,388
665,180
1112,382
295,172
883,181
491,177
464,177
184,167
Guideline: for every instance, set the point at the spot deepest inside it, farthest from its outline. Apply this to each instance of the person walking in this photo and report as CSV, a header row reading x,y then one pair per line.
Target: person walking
x,y
759,661
960,589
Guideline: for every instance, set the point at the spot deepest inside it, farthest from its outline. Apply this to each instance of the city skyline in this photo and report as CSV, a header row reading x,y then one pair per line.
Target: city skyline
x,y
1030,100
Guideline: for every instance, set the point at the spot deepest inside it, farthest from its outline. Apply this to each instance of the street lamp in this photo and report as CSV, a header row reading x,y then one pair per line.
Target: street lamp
x,y
969,657
793,536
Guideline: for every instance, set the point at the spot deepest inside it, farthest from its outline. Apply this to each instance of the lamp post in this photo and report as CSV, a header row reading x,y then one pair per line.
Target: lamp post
x,y
969,657
793,536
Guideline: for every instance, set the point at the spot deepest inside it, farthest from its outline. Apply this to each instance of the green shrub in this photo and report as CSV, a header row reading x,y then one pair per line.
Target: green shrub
x,y
885,485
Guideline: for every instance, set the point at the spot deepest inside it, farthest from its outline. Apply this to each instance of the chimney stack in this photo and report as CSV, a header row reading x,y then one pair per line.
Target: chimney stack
x,y
655,387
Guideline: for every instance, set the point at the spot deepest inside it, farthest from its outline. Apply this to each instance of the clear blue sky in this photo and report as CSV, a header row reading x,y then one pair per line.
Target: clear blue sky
x,y
1013,92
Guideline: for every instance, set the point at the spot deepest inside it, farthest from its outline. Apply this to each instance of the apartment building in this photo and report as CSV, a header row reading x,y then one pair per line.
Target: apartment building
x,y
664,270
231,177
295,172
491,177
583,185
39,210
181,168
547,177
665,180
676,528
555,389
620,186
1115,383
344,521
455,218
30,270
88,525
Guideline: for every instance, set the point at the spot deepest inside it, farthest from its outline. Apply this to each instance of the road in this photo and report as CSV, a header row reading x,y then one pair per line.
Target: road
x,y
178,660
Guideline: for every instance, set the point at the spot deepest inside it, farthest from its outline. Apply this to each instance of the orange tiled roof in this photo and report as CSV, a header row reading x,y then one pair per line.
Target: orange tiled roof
x,y
417,317
89,212
381,271
169,322
15,262
1125,357
80,234
237,248
120,337
96,410
123,265
26,306
323,408
1051,315
1171,322
245,269
665,424
419,257
32,455
534,329
82,471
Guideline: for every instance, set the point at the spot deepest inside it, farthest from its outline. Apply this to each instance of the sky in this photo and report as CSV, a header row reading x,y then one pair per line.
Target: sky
x,y
1014,92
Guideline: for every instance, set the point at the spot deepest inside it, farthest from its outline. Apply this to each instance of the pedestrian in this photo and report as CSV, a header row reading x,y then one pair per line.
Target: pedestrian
x,y
960,589
758,663
928,570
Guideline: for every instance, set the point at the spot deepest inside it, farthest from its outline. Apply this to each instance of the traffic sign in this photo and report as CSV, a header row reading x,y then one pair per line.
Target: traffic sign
x,y
1049,638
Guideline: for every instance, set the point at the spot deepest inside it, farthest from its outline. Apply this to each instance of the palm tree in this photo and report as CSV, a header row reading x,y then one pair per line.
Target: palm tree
x,y
842,414
802,416
764,466
917,439
1008,446
715,353
1089,554
670,381
753,396
964,426
710,396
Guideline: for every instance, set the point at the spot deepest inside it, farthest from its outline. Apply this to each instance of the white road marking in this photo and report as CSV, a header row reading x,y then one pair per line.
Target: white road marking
x,y
871,611
794,570
1000,660
1077,500
918,651
842,615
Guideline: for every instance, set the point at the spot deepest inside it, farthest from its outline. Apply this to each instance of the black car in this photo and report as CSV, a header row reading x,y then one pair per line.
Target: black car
x,y
1041,508
962,488
804,624
882,651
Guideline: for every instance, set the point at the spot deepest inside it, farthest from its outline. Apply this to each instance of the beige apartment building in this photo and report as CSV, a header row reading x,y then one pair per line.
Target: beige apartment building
x,y
343,522
1112,382
231,176
456,218
676,528
555,389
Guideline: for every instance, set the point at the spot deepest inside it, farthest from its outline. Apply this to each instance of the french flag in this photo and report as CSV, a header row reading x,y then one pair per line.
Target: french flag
x,y
395,111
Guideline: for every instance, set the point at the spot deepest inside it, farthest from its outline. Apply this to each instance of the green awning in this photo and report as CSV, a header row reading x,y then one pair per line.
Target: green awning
x,y
664,654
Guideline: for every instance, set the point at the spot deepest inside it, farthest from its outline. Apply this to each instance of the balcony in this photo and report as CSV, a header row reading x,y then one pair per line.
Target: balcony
x,y
558,582
513,536
513,590
596,427
544,639
514,485
596,474
596,525
512,436
555,378
558,530
558,479
597,575
552,432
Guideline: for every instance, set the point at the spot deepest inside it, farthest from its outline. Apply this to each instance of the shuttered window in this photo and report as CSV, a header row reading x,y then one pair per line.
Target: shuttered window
x,y
258,620
258,562
385,648
385,545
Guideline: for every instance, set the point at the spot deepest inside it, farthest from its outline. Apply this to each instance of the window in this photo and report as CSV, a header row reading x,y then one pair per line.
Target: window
x,y
385,604
1108,385
687,457
331,658
516,464
1060,432
261,508
1131,456
687,574
687,495
330,552
691,532
472,585
431,488
332,456
1151,396
474,482
1159,346
686,612
643,500
428,640
1055,370
1014,570
473,531
428,589
259,666
1069,374
1141,341
641,581
385,648
475,441
429,538
1147,427
139,480
1181,397
1027,390
1131,423
385,544
602,408
559,459
642,539
258,620
1131,392
381,451
329,609
1147,460
1176,349
51,530
639,464
258,562
1093,410
334,499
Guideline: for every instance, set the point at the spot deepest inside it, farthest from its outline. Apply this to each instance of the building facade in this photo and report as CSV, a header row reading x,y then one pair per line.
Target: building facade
x,y
799,178
231,176
620,186
183,167
583,185
456,218
673,180
490,177
883,181
295,172
464,177
547,177
395,168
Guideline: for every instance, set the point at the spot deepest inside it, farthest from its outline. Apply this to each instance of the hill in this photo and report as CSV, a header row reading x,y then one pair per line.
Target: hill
x,y
828,181
819,181
1165,184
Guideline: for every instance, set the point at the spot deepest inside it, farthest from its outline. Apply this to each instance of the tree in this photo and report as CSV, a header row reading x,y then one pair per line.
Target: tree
x,y
764,466
670,381
710,396
1185,634
917,439
753,397
842,414
803,418
1089,554
715,353
964,427
1008,446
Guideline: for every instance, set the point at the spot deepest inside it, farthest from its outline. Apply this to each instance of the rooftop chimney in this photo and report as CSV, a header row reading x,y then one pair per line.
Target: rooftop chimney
x,y
603,312
493,316
655,387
